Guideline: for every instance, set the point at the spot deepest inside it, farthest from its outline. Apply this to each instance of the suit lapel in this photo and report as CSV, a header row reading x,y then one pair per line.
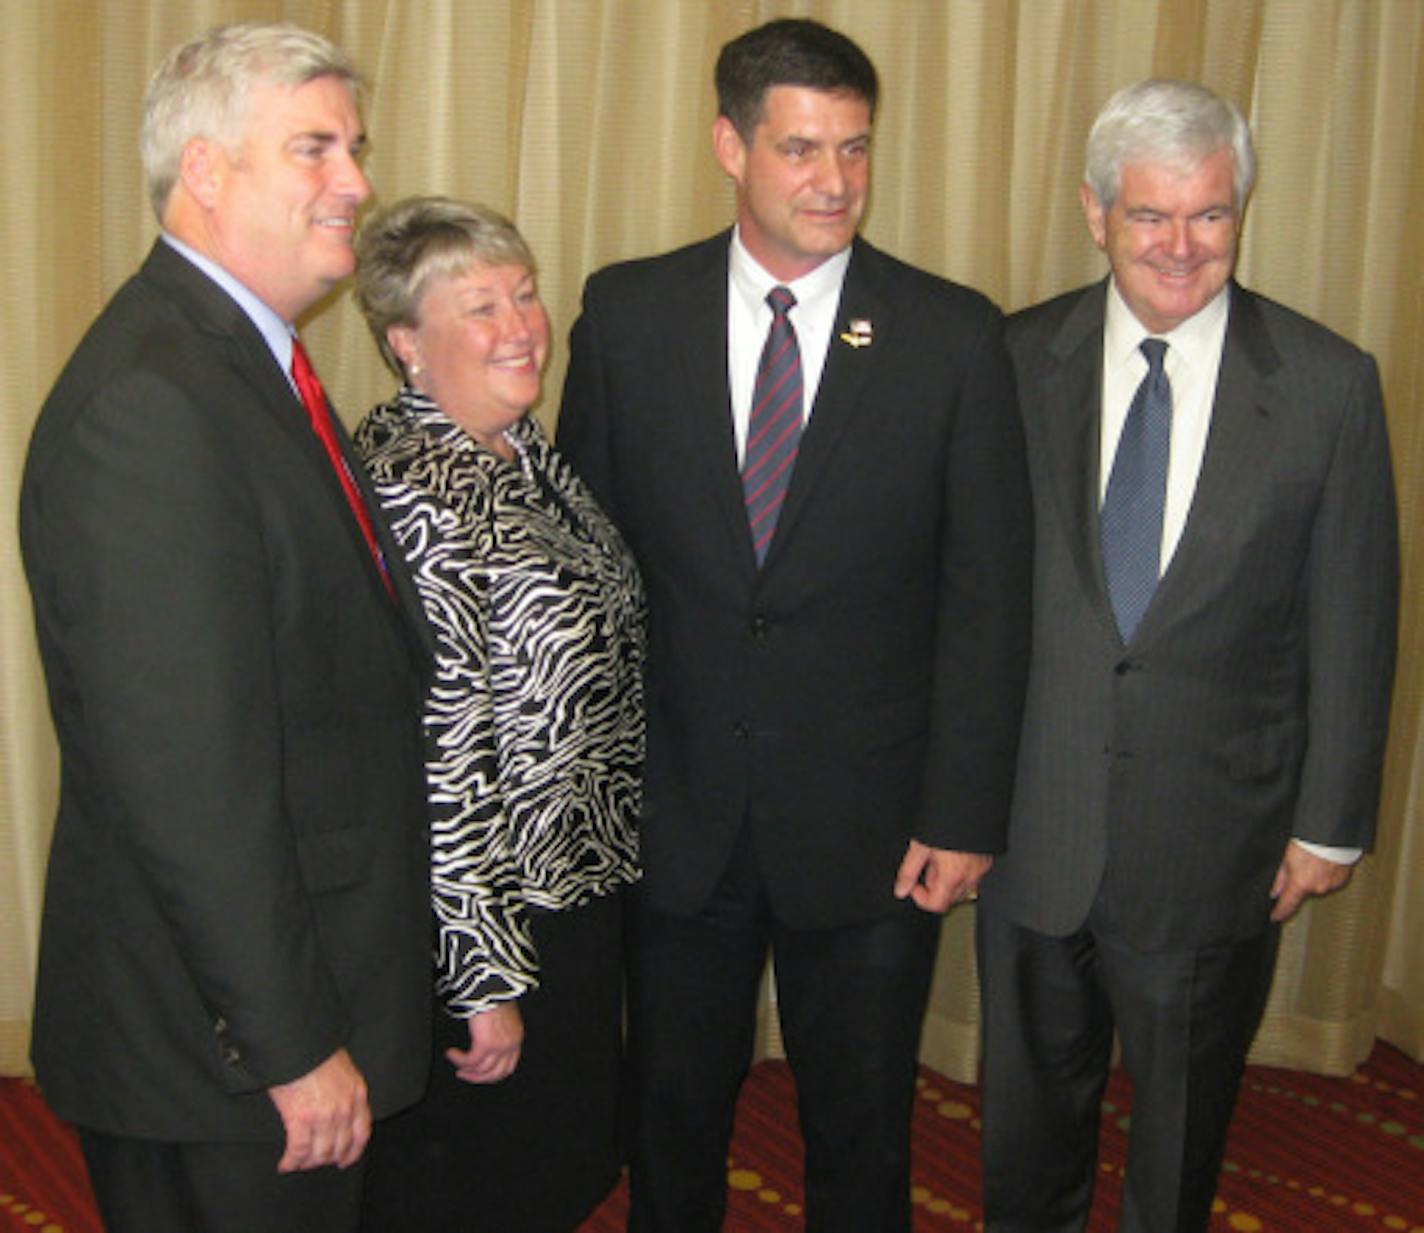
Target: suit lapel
x,y
701,314
254,359
1070,393
216,313
213,311
838,398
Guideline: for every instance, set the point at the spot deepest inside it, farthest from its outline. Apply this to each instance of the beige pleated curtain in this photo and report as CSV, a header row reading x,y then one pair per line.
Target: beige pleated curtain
x,y
588,122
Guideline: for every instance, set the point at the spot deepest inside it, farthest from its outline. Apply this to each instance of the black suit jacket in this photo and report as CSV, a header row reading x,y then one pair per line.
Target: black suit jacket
x,y
238,880
865,685
1159,783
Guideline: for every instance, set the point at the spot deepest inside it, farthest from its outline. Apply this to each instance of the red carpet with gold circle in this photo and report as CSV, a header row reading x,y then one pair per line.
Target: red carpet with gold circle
x,y
1306,1155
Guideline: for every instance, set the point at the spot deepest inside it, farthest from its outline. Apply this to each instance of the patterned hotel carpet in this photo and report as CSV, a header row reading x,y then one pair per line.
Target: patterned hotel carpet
x,y
1306,1155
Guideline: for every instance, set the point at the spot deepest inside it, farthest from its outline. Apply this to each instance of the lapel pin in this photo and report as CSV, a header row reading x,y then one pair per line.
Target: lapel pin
x,y
859,334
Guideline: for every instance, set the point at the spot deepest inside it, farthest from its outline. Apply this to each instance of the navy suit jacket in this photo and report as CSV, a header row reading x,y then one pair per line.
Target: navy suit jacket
x,y
865,685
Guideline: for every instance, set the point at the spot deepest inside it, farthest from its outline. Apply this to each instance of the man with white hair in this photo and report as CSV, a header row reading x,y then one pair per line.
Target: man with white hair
x,y
1215,603
233,975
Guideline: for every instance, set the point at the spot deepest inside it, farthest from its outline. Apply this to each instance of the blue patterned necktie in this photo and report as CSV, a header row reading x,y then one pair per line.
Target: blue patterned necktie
x,y
774,429
1131,519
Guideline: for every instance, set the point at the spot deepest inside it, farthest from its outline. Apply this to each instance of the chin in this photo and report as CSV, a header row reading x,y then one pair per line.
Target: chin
x,y
830,237
1181,309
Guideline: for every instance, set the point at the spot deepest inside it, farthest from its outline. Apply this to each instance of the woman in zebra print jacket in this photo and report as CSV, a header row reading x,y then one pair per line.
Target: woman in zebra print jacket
x,y
534,730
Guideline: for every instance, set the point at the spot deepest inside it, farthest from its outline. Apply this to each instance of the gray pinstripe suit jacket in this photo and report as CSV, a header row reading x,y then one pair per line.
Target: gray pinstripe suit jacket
x,y
1159,783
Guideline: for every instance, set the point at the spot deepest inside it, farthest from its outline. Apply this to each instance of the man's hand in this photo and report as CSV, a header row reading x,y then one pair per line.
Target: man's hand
x,y
1303,874
496,1036
326,1115
936,878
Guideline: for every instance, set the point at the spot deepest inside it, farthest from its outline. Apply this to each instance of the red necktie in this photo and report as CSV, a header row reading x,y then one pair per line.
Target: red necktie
x,y
319,412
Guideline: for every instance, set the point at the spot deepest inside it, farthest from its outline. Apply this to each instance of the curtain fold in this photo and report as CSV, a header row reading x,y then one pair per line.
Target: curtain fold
x,y
588,122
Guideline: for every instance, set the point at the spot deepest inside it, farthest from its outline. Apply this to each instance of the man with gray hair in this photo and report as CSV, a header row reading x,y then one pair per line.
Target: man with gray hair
x,y
1215,605
233,974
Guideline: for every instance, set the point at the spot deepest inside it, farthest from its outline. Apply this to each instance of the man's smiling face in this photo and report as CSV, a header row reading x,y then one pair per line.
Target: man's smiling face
x,y
1170,236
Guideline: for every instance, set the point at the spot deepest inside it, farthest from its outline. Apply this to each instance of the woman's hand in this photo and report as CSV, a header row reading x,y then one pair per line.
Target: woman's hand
x,y
496,1036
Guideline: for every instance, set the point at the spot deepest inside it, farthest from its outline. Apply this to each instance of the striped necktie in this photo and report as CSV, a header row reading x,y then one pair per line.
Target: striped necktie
x,y
774,428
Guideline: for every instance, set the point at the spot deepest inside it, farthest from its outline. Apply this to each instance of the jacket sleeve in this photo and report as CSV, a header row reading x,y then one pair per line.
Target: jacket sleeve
x,y
1353,602
584,430
983,614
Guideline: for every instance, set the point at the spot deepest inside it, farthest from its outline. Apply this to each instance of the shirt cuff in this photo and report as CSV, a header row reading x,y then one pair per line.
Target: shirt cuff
x,y
1338,856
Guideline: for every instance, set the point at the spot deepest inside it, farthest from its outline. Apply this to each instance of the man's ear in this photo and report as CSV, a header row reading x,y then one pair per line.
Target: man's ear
x,y
1095,214
201,168
727,145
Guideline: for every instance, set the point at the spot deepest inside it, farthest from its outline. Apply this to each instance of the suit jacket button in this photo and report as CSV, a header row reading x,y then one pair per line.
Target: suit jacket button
x,y
760,627
740,730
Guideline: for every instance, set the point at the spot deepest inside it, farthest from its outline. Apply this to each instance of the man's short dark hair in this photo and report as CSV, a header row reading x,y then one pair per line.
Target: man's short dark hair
x,y
789,52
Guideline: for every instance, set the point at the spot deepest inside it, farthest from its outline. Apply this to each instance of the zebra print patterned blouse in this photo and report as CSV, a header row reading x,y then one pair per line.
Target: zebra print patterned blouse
x,y
534,720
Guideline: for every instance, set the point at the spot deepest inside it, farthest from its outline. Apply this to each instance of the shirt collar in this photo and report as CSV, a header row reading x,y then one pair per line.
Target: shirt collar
x,y
437,426
276,332
752,282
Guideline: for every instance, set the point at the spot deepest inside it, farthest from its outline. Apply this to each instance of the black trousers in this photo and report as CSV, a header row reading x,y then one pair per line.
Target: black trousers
x,y
536,1152
150,1187
851,1002
1050,1007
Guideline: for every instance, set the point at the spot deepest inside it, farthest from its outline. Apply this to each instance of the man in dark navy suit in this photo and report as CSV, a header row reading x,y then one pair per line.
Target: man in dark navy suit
x,y
814,451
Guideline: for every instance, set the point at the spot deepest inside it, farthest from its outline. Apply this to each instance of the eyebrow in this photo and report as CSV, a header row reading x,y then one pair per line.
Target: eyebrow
x,y
326,137
822,141
1226,207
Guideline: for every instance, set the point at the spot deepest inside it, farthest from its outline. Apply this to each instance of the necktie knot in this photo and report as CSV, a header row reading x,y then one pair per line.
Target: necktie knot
x,y
781,300
305,376
1155,349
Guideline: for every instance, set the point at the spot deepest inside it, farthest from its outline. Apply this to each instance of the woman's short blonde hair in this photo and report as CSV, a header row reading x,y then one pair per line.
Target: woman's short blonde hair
x,y
401,248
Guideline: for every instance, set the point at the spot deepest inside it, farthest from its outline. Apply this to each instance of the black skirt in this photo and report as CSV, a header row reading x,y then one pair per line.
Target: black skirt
x,y
538,1151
